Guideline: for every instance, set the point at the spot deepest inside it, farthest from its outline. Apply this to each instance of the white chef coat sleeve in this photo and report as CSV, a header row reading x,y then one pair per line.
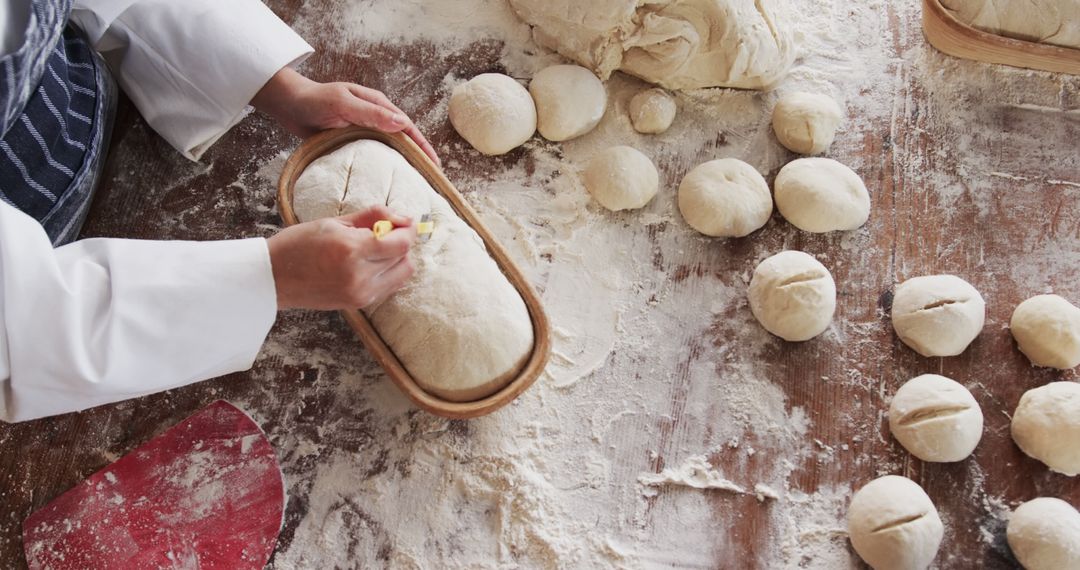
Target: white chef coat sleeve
x,y
191,67
102,320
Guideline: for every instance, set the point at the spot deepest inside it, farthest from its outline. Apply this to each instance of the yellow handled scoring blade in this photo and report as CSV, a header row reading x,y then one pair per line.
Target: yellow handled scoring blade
x,y
423,229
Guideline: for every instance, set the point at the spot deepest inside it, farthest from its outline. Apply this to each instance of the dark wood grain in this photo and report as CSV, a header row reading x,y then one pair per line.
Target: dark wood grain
x,y
150,192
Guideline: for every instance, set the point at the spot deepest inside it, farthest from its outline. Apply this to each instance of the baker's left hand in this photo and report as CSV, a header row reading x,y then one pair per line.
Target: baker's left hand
x,y
305,107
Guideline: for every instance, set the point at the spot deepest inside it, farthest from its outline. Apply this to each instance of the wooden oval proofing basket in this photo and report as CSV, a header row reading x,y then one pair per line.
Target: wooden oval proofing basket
x,y
954,37
329,141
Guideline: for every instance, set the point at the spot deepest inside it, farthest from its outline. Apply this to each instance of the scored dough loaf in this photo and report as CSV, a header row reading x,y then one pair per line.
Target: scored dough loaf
x,y
458,326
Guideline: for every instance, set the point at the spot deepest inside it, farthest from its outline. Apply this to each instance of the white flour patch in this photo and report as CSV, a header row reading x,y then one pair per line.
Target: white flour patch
x,y
696,473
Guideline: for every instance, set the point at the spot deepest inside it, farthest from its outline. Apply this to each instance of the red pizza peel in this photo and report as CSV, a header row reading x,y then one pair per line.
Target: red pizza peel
x,y
206,494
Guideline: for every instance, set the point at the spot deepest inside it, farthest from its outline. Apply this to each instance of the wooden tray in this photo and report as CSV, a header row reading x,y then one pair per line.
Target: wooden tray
x,y
329,141
954,37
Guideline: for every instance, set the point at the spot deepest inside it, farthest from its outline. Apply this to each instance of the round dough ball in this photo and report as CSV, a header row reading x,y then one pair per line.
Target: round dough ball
x,y
1044,534
493,112
821,195
1046,426
936,419
652,111
621,178
570,101
806,122
793,296
1047,330
938,315
893,525
725,198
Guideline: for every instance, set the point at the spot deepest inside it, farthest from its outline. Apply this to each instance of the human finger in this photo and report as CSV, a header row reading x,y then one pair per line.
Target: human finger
x,y
367,218
392,245
379,98
414,133
374,96
367,114
392,279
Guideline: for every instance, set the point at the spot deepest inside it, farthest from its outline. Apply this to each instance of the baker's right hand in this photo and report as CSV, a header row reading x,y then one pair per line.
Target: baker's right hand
x,y
338,263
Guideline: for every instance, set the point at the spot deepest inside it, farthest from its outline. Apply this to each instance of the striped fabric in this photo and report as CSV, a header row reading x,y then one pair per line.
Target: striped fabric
x,y
57,106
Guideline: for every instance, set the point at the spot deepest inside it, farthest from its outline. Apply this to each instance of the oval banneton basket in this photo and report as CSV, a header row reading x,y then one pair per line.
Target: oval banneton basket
x,y
954,37
329,141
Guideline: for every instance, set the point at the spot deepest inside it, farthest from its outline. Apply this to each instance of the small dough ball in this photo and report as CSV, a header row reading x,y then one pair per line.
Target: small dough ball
x,y
621,178
821,195
806,122
793,296
893,525
1044,534
1046,426
1047,330
570,101
725,198
493,112
936,419
938,315
652,111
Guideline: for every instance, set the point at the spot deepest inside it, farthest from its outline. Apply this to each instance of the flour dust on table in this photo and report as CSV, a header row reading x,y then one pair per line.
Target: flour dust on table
x,y
658,366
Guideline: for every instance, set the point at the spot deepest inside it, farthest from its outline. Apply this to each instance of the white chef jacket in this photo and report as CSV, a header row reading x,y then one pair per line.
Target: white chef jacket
x,y
102,320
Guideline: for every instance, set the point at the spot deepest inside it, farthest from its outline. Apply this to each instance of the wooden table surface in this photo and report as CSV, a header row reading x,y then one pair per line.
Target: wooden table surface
x,y
1012,232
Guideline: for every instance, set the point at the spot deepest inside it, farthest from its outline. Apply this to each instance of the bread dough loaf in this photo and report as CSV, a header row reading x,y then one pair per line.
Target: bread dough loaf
x,y
493,112
1044,534
725,198
679,44
458,326
893,525
1055,22
938,315
793,296
1047,330
821,195
652,111
936,419
570,101
621,178
1046,426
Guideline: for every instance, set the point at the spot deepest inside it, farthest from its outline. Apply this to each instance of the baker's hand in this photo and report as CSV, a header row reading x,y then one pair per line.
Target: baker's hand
x,y
337,263
305,107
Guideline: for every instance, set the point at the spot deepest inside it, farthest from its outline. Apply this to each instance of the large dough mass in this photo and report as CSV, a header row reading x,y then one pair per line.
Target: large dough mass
x,y
679,44
458,326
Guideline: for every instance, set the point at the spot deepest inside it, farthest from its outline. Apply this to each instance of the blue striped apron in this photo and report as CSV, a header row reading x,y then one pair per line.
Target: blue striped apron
x,y
57,102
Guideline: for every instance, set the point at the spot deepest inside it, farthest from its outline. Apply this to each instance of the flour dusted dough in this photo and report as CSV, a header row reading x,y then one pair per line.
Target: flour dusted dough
x,y
793,296
458,326
621,178
570,101
1044,534
652,111
679,44
806,122
821,195
493,112
1046,426
938,315
936,419
893,524
1047,330
725,198
1054,22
